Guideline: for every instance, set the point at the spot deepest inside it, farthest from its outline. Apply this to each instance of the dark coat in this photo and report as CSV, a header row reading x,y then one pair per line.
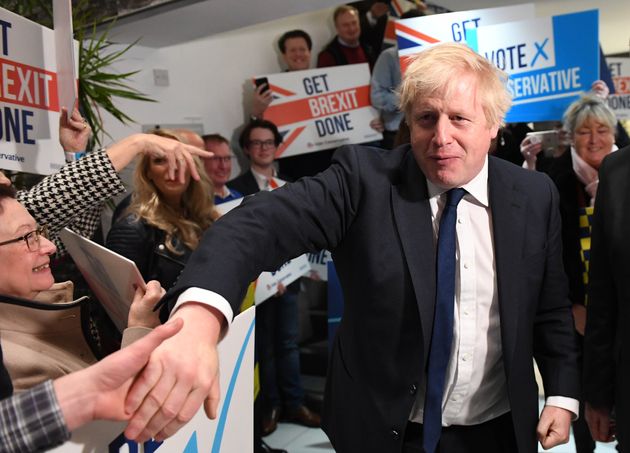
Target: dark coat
x,y
245,183
371,209
607,338
144,245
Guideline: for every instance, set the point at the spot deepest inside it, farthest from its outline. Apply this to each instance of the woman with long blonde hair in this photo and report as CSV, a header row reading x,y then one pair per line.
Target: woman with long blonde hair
x,y
165,220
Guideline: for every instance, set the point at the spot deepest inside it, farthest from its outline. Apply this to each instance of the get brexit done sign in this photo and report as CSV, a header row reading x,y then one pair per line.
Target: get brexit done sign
x,y
550,61
419,33
322,108
620,101
29,101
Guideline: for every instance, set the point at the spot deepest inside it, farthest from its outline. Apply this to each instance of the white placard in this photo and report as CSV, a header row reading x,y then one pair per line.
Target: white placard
x,y
111,276
419,33
620,101
231,432
224,208
267,283
64,44
29,101
321,108
319,264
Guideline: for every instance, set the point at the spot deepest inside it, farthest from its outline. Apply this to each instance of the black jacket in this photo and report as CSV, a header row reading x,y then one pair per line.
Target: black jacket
x,y
144,245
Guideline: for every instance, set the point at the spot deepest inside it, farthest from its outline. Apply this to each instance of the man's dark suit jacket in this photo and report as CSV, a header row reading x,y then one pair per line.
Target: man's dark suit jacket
x,y
371,209
245,183
607,339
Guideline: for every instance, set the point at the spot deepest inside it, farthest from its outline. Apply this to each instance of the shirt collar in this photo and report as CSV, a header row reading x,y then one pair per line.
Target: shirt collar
x,y
344,43
224,192
261,177
476,187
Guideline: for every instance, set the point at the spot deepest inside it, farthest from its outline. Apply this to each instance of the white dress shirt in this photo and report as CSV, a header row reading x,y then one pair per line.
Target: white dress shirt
x,y
475,390
263,181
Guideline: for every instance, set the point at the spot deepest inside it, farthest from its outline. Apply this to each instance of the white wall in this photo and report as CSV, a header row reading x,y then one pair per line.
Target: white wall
x,y
210,79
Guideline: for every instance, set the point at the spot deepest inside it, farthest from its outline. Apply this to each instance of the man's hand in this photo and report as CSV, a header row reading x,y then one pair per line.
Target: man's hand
x,y
553,426
599,423
530,147
181,374
281,290
261,100
99,391
74,132
599,88
579,317
378,125
4,181
378,9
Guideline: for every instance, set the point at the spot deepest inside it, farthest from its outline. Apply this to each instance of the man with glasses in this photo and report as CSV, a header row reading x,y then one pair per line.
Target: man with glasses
x,y
219,167
276,319
259,141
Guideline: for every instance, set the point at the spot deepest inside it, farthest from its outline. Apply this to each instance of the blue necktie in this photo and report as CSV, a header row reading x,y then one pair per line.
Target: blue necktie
x,y
442,336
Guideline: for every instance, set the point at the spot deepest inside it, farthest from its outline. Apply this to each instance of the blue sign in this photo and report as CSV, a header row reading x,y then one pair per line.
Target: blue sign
x,y
550,61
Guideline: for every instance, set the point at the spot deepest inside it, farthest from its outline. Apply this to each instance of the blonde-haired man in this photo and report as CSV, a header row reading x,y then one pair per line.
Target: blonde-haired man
x,y
451,268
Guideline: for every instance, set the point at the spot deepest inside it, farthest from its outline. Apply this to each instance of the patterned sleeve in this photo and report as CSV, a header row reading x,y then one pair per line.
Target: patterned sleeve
x,y
31,421
74,196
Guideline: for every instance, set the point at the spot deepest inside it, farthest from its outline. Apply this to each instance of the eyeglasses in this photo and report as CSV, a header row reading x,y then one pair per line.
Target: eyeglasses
x,y
262,144
31,238
224,159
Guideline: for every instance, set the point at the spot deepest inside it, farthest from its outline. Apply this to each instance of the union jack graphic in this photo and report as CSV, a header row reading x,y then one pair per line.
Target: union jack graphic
x,y
289,114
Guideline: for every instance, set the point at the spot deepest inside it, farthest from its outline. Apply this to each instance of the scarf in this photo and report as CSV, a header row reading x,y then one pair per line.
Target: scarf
x,y
586,174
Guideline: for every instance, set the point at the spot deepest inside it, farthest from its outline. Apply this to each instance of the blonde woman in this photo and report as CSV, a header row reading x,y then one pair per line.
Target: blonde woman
x,y
165,219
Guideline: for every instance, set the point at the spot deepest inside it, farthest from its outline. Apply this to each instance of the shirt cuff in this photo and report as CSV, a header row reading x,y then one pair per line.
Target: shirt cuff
x,y
570,404
206,297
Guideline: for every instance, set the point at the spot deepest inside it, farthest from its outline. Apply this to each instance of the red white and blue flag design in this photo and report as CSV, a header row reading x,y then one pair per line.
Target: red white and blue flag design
x,y
419,33
321,108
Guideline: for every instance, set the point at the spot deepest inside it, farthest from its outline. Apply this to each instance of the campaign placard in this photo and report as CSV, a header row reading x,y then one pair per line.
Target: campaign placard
x,y
322,108
224,208
29,101
620,101
65,51
112,277
550,61
267,283
231,431
419,33
319,264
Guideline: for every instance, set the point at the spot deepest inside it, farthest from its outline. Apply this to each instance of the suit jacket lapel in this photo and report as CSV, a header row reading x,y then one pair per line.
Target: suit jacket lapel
x,y
412,216
507,205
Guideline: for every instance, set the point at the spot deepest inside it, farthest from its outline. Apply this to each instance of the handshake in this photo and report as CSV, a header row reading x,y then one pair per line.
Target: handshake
x,y
157,383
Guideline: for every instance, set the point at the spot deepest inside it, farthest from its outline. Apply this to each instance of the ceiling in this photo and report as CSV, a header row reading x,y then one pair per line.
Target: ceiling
x,y
175,22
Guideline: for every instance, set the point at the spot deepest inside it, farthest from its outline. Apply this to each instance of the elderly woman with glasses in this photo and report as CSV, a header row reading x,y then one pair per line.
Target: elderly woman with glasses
x,y
46,344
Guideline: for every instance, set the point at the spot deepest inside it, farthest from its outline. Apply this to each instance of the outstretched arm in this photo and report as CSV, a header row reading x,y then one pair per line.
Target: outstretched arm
x,y
182,374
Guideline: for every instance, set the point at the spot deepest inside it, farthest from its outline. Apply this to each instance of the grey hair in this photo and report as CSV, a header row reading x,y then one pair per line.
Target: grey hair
x,y
589,106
